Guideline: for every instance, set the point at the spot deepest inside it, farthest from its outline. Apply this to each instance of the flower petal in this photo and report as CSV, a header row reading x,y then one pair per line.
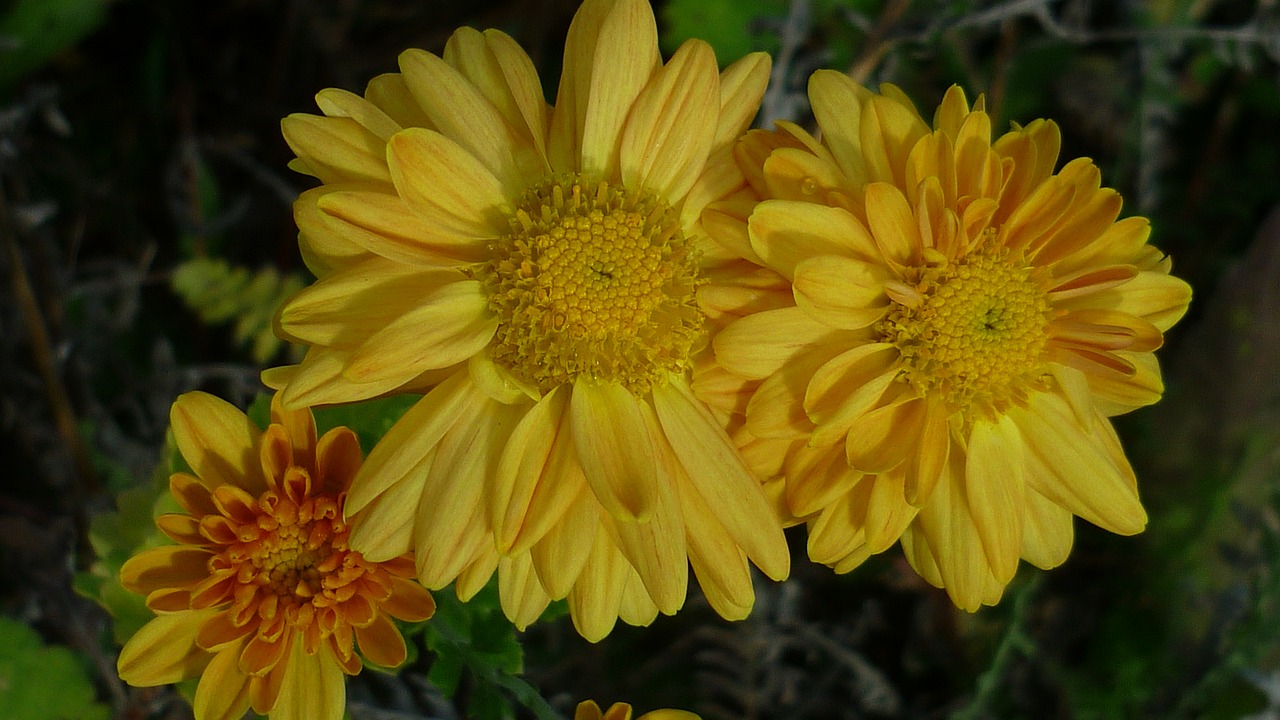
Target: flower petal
x,y
760,344
840,291
446,184
164,650
313,688
614,448
996,489
1047,534
670,130
218,441
452,324
524,465
623,58
336,149
385,224
1070,464
223,692
381,643
462,113
719,474
785,232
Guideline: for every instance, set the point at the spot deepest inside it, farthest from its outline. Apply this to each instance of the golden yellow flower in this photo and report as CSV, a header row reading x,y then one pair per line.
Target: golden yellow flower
x,y
262,598
589,710
947,328
534,270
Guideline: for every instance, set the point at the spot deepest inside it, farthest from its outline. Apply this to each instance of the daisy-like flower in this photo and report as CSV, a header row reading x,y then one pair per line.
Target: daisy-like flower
x,y
534,270
589,710
952,325
262,597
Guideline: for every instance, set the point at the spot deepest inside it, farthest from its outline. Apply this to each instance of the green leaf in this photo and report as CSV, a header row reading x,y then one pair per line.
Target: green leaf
x,y
222,293
39,682
33,31
731,27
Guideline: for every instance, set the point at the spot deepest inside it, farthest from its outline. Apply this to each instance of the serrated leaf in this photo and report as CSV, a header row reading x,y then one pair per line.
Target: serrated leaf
x,y
221,293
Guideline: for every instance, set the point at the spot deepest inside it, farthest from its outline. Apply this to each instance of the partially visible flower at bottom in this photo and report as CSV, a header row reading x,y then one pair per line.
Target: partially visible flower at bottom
x,y
589,710
261,597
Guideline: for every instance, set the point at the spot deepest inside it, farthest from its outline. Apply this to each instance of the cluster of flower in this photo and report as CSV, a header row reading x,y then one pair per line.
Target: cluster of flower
x,y
650,339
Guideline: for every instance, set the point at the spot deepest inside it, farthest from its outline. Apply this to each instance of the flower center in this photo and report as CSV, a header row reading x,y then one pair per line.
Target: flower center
x,y
285,560
593,280
973,331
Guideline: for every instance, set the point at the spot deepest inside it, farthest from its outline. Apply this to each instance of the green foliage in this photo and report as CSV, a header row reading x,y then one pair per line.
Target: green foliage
x,y
731,27
474,639
220,292
38,682
33,31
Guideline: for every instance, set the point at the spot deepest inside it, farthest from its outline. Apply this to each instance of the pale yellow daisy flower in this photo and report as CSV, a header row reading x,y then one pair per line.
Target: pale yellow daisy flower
x,y
534,270
262,598
947,328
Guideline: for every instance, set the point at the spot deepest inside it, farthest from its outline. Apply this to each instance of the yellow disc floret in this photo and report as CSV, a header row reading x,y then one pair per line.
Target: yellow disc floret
x,y
972,330
592,280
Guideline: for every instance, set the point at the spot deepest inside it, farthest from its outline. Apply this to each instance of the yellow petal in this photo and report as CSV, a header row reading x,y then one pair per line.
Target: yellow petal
x,y
385,224
1158,298
167,566
462,113
947,521
318,380
888,131
837,106
717,471
451,525
742,86
164,650
344,309
523,465
564,144
669,132
636,608
501,70
337,149
313,688
409,601
1047,534
519,591
223,692
784,232
996,489
847,386
218,441
334,102
410,439
623,58
383,528
892,225
886,436
561,554
760,344
1071,465
840,291
656,548
449,326
720,565
562,484
614,448
597,594
390,93
323,246
444,181
817,477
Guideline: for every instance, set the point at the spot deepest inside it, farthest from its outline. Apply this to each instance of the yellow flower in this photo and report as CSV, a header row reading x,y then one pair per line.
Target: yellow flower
x,y
536,269
262,598
589,710
948,328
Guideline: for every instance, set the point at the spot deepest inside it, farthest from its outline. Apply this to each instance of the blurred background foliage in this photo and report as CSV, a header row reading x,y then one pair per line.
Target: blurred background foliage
x,y
144,213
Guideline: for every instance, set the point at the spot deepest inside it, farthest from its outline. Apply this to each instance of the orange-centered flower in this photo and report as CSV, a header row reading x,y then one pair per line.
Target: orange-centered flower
x,y
589,710
534,270
931,331
262,597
